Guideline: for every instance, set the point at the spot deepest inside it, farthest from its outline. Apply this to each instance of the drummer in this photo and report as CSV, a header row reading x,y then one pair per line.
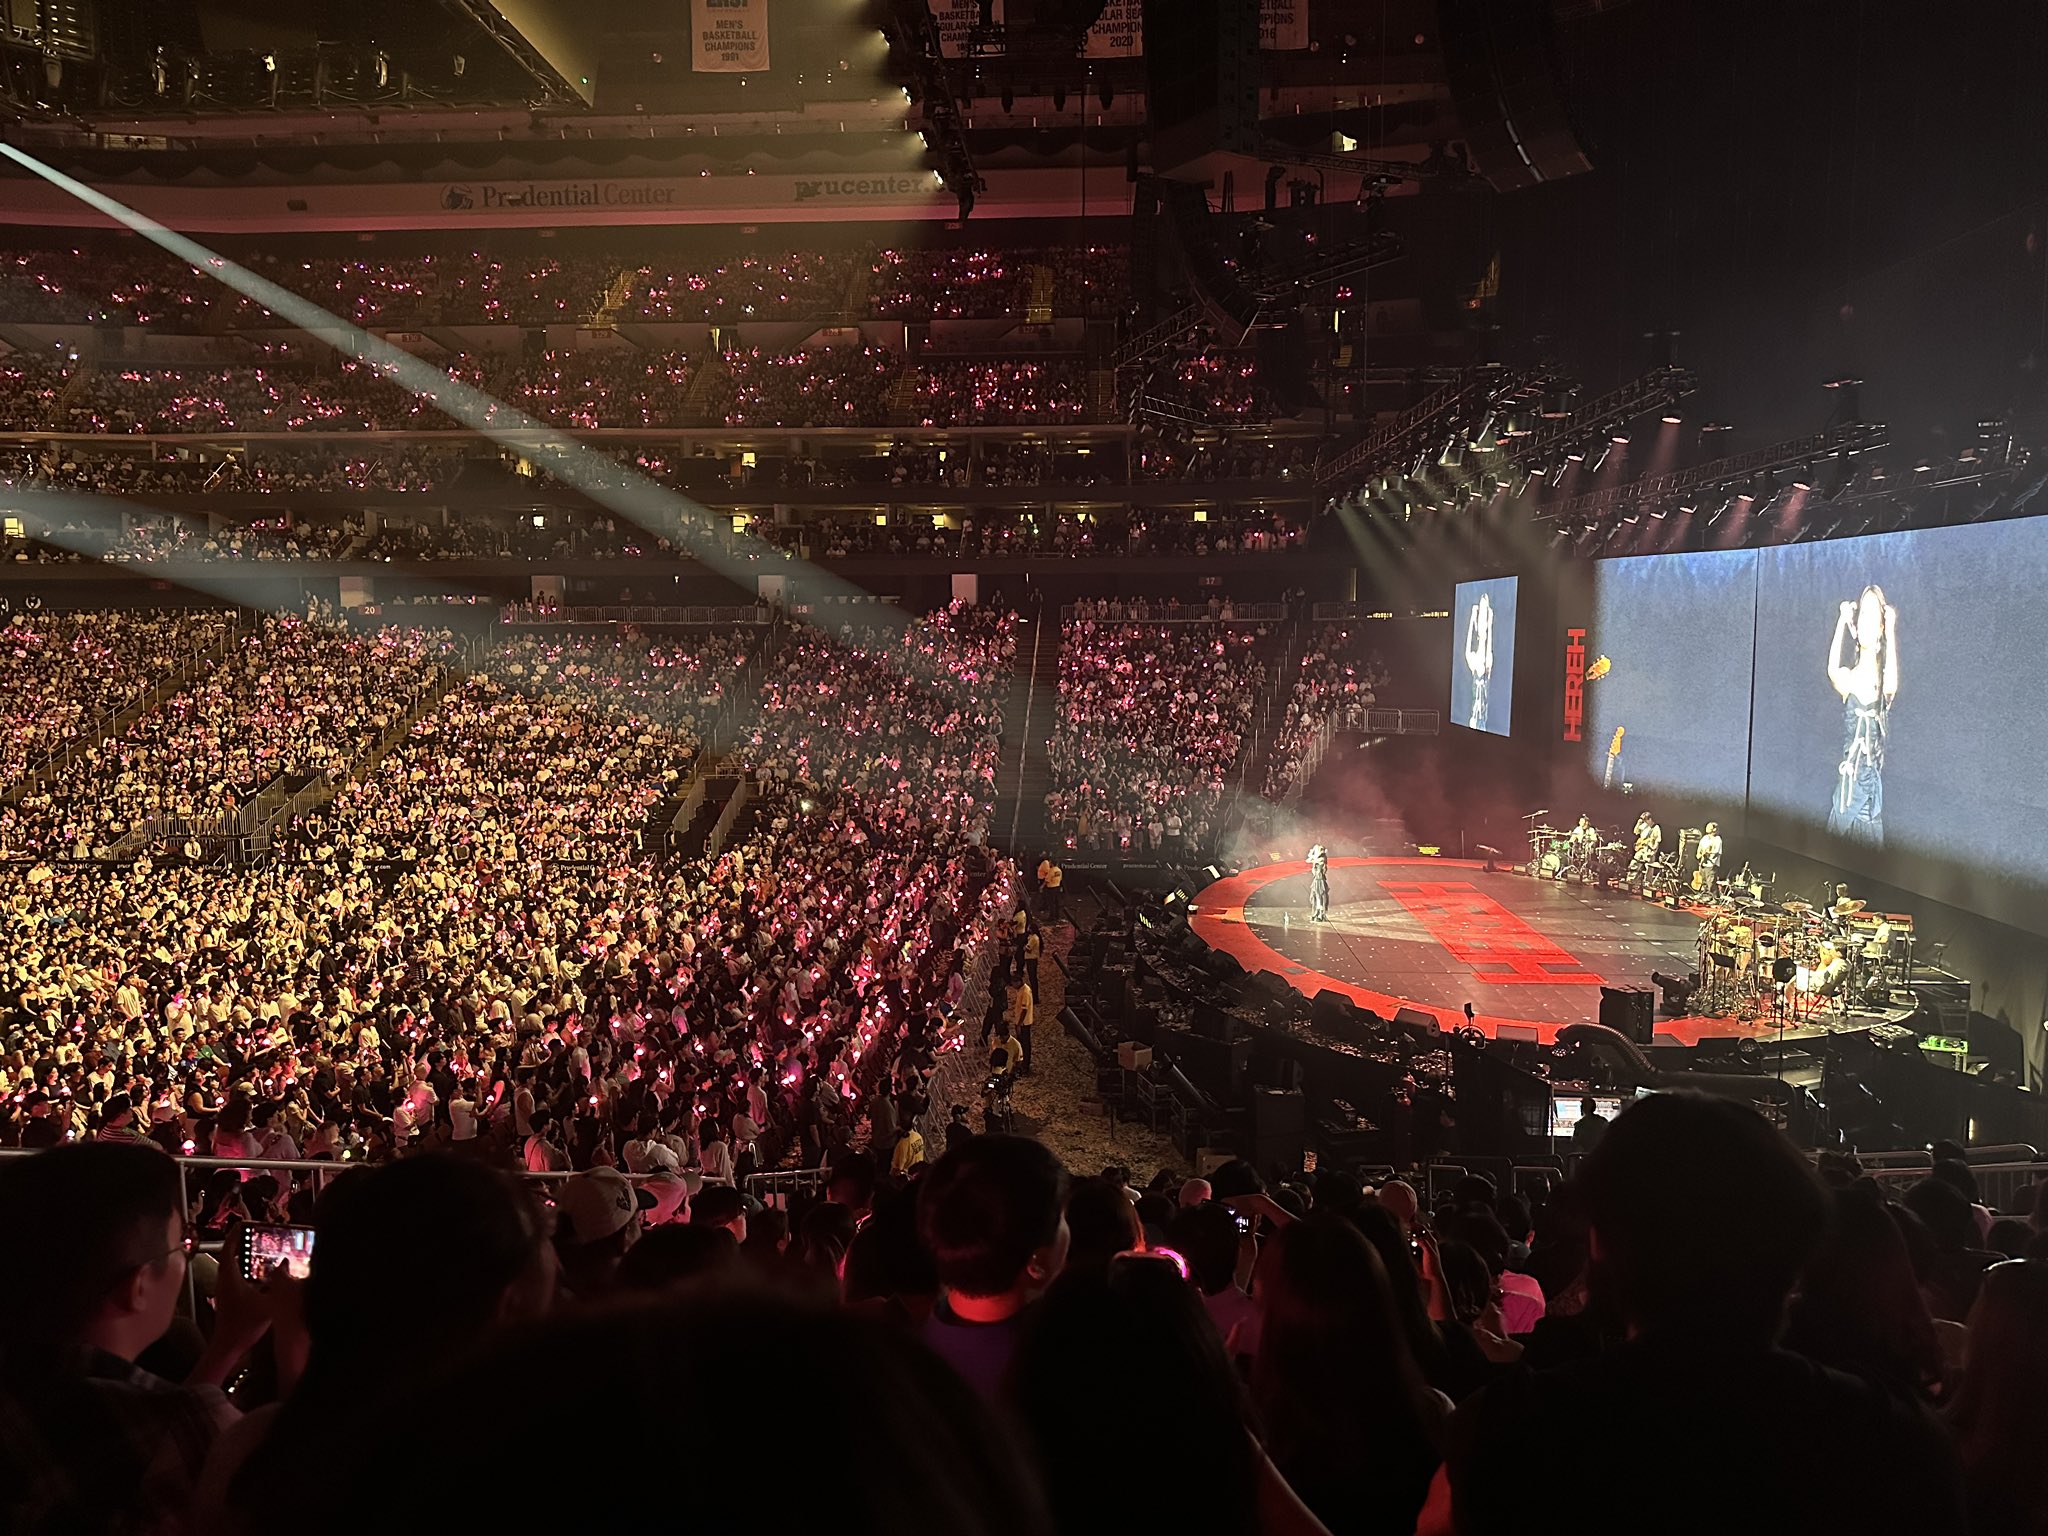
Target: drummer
x,y
1583,842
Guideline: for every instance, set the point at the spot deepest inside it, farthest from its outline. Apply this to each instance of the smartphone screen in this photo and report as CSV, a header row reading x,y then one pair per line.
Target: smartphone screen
x,y
265,1246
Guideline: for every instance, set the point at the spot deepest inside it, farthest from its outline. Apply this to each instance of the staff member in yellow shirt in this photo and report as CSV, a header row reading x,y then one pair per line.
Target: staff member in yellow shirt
x,y
1020,1016
909,1150
1034,957
1050,878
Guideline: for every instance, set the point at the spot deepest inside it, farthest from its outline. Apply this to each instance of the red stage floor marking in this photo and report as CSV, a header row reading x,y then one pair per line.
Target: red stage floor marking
x,y
1479,932
1220,921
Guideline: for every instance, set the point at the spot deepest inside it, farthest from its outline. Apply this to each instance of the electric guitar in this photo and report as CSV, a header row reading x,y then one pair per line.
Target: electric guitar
x,y
1613,752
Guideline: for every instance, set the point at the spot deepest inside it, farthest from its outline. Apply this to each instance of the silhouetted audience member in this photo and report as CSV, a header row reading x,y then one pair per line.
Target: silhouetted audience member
x,y
1121,1362
90,1441
993,1216
2000,1412
1345,1413
1859,1307
911,1447
1702,1217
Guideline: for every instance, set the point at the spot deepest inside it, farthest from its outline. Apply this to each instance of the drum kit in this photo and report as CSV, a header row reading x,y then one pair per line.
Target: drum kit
x,y
1594,857
1792,961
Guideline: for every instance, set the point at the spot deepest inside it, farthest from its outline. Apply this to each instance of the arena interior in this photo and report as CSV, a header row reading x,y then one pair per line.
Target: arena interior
x,y
994,752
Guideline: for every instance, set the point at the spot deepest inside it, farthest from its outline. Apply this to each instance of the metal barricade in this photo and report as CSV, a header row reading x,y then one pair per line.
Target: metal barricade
x,y
778,1188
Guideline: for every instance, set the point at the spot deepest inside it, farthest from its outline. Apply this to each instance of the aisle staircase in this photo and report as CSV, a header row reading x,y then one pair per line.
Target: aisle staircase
x,y
614,299
1271,713
902,410
696,407
313,793
1029,709
1102,394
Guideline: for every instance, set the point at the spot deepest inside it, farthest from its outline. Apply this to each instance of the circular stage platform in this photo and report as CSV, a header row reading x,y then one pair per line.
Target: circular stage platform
x,y
1529,955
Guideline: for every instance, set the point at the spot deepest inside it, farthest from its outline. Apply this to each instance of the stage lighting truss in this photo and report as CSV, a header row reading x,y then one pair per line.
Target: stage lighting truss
x,y
913,37
1736,470
1419,434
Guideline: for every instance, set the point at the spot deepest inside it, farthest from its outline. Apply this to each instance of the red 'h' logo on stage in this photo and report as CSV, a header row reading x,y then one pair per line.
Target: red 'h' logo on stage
x,y
1479,932
1574,683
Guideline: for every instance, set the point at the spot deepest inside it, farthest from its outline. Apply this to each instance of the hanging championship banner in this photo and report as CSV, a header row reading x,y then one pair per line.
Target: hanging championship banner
x,y
729,37
956,18
1283,24
1119,33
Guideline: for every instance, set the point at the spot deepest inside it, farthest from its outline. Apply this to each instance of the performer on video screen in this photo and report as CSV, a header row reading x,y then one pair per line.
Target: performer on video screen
x,y
1479,658
1863,666
1319,884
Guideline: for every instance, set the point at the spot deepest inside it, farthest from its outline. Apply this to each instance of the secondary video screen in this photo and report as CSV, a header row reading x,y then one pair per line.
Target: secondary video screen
x,y
1668,658
1895,731
1483,655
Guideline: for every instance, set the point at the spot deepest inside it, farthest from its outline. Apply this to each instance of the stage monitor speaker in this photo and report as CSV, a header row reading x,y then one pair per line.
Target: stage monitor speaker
x,y
1497,64
1270,993
1524,1034
1222,965
1279,1131
1632,1011
1417,1023
1266,984
1342,1019
1329,1006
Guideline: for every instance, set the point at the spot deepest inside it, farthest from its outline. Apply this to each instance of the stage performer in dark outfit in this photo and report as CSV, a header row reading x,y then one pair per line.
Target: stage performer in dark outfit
x,y
1319,884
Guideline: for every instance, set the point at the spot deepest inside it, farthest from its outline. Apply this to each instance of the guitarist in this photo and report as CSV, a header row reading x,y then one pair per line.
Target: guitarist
x,y
1707,855
1649,838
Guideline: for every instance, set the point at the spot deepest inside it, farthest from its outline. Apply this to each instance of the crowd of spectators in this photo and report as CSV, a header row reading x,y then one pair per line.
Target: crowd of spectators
x,y
827,383
63,674
292,698
1159,456
469,964
589,389
272,471
146,540
133,283
829,386
909,712
1051,390
1151,729
780,285
994,285
136,284
1208,381
1339,681
1294,1355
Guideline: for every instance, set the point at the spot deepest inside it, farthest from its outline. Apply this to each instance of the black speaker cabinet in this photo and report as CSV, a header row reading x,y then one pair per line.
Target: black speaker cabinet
x,y
1630,1010
1279,1131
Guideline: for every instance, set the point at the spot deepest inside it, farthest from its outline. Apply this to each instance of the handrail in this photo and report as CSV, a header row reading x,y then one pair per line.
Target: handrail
x,y
1240,613
587,613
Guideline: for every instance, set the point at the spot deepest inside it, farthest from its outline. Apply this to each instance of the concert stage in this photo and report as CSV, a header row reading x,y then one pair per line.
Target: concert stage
x,y
1434,934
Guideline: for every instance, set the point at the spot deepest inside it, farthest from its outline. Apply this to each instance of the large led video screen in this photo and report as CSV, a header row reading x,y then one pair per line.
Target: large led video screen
x,y
1668,653
1483,655
1899,724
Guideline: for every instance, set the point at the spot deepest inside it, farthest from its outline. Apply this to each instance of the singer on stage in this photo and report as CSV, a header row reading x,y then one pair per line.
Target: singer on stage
x,y
1319,884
